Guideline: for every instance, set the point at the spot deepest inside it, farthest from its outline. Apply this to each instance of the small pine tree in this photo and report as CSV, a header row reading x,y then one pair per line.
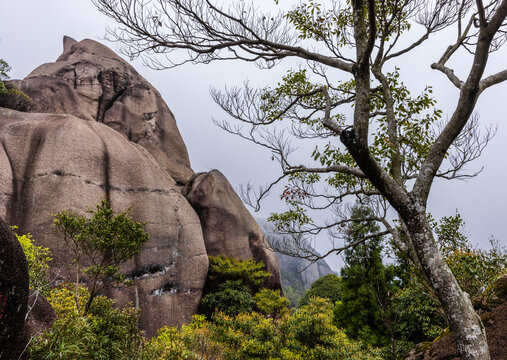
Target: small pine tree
x,y
366,286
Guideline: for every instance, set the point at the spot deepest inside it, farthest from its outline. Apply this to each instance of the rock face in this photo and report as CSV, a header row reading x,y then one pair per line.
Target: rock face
x,y
95,128
57,162
13,293
228,227
91,82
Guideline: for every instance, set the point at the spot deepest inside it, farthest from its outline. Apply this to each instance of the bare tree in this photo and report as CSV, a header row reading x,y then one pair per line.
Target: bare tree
x,y
391,147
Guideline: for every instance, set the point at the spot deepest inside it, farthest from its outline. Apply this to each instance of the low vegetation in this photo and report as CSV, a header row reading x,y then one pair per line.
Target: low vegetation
x,y
372,311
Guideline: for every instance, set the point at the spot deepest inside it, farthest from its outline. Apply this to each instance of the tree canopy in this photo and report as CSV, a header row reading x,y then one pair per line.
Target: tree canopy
x,y
384,146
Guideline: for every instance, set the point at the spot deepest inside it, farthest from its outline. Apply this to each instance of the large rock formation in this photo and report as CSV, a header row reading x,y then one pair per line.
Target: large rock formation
x,y
53,162
13,293
96,128
300,273
228,227
91,82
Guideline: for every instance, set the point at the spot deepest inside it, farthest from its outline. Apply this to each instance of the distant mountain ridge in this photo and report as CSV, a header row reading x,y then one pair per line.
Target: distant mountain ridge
x,y
297,274
300,273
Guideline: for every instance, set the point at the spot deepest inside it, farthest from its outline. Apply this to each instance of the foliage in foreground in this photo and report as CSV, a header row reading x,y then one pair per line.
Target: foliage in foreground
x,y
106,332
103,242
231,284
38,258
307,333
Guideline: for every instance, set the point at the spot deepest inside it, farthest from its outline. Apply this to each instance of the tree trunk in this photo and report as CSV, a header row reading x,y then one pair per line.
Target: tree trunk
x,y
464,323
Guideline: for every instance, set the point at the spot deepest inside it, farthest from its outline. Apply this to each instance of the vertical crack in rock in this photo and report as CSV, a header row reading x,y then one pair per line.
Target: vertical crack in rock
x,y
113,87
107,165
75,77
19,198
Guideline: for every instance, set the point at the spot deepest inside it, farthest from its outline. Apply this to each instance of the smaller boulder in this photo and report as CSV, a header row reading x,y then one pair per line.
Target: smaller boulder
x,y
228,227
13,293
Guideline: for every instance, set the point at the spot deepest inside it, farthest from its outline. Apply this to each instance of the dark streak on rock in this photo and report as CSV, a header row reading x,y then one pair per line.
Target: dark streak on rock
x,y
9,206
172,288
19,211
151,270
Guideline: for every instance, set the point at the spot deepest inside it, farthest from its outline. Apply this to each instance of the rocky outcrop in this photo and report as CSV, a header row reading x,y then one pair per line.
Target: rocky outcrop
x,y
91,82
95,128
13,293
53,162
228,227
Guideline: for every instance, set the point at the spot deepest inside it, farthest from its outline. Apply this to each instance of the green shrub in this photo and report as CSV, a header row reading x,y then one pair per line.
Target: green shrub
x,y
250,272
190,342
327,287
103,242
270,303
38,258
106,332
231,298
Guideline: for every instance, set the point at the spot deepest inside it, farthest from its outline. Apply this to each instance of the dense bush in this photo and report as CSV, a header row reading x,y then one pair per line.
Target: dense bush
x,y
327,287
231,298
223,268
230,285
307,333
271,303
106,332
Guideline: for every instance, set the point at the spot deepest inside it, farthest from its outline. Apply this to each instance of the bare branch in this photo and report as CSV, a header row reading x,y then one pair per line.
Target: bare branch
x,y
206,30
493,80
449,73
333,168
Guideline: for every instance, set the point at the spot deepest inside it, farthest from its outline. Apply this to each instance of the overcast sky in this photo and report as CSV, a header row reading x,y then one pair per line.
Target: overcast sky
x,y
31,33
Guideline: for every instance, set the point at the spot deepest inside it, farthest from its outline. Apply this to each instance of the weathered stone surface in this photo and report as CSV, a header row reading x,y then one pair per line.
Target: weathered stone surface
x,y
91,82
59,154
228,227
13,293
53,162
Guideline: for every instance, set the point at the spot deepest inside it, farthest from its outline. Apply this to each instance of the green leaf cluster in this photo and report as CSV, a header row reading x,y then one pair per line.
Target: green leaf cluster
x,y
327,287
270,303
415,119
250,272
105,333
4,69
308,333
231,283
231,298
38,258
100,243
